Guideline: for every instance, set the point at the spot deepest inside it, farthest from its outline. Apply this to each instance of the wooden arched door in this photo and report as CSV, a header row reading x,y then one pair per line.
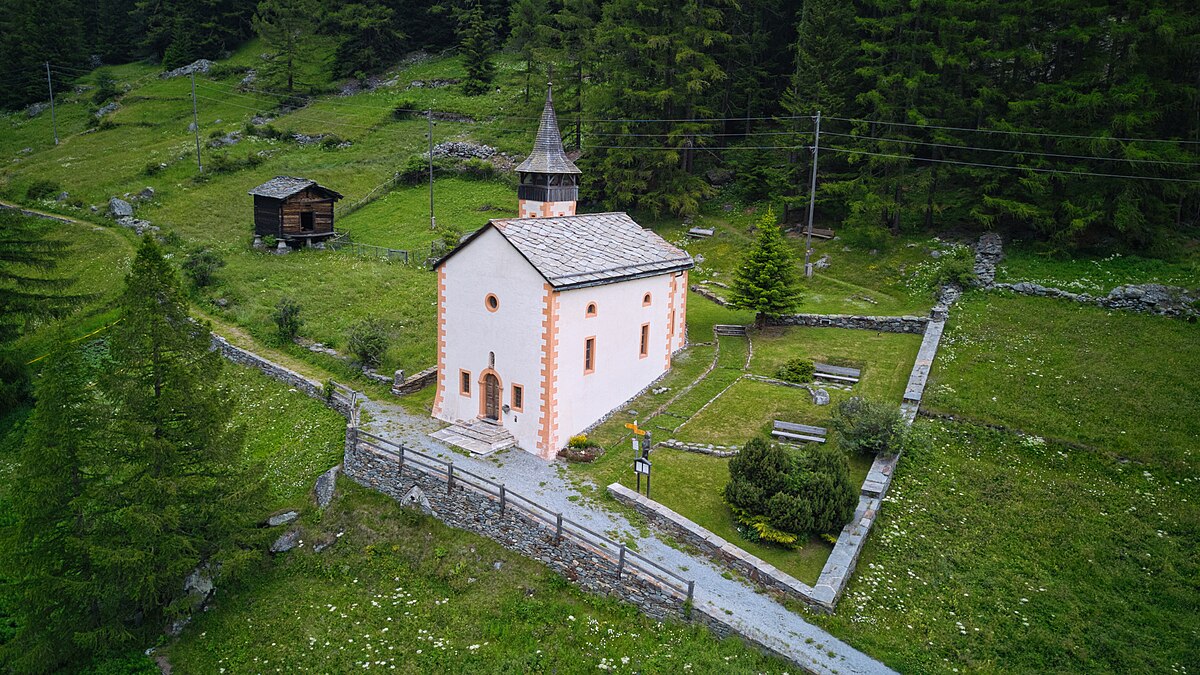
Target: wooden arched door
x,y
491,397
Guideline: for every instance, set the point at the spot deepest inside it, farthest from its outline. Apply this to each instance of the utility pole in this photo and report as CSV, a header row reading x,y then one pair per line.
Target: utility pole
x,y
53,119
196,123
429,120
812,199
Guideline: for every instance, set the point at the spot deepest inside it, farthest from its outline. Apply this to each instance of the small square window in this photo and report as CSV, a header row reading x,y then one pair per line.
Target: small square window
x,y
518,398
464,383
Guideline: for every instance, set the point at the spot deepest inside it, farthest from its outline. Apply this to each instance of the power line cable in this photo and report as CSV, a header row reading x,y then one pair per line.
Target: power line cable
x,y
1017,133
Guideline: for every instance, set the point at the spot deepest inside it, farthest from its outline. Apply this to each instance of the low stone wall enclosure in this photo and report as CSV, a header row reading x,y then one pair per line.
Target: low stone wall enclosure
x,y
882,324
342,399
466,501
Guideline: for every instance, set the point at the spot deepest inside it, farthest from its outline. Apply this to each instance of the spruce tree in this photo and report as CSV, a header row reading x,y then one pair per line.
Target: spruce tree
x,y
766,281
176,494
476,44
576,22
286,26
368,37
46,548
530,33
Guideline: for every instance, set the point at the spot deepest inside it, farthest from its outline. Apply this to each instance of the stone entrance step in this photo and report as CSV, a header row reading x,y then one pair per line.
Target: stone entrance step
x,y
729,329
479,437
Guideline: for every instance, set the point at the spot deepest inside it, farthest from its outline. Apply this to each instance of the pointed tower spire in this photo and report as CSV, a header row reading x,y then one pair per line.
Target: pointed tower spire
x,y
549,180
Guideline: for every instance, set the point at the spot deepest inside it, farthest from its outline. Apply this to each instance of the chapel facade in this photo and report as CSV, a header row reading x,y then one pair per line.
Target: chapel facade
x,y
549,321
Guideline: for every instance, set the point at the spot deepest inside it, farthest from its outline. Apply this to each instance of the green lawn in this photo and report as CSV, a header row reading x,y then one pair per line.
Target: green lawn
x,y
997,552
1096,275
400,219
400,591
1116,381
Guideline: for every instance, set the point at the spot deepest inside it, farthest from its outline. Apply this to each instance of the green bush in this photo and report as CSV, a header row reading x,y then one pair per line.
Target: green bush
x,y
868,427
368,340
42,188
331,141
106,88
866,237
478,169
201,266
780,495
405,108
223,162
287,318
797,370
958,267
270,242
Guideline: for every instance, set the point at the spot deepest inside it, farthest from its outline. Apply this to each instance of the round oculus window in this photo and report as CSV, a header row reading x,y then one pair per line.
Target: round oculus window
x,y
491,302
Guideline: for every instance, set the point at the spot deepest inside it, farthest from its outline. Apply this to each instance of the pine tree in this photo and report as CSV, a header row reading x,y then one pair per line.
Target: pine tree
x,y
368,37
576,21
658,62
530,33
175,493
476,44
286,26
46,547
766,281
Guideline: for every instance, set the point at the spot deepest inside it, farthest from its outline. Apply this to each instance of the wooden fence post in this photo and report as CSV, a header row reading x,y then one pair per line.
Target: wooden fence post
x,y
400,470
449,477
503,498
558,530
621,561
691,590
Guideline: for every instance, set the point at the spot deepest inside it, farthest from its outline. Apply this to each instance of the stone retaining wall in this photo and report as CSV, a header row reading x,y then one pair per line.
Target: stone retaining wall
x,y
700,290
753,568
1145,298
275,371
464,508
883,324
416,382
702,448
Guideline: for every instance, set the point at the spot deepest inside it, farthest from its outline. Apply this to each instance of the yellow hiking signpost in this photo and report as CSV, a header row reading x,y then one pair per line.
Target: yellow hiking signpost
x,y
641,460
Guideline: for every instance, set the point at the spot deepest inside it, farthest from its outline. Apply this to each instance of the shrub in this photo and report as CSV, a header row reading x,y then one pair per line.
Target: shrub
x,y
868,427
201,266
287,318
797,370
780,496
42,188
958,267
331,141
405,108
478,169
581,449
106,88
270,242
866,237
449,235
152,168
581,441
368,340
223,162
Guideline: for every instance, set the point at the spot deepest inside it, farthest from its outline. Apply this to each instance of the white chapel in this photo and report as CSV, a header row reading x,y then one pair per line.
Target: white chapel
x,y
549,321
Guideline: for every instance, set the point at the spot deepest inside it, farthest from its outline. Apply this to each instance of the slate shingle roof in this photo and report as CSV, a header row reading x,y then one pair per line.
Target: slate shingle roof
x,y
548,155
587,250
282,187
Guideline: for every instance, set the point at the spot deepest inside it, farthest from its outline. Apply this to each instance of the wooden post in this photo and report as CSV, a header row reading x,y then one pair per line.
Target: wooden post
x,y
503,499
558,530
449,477
812,199
401,471
691,590
621,561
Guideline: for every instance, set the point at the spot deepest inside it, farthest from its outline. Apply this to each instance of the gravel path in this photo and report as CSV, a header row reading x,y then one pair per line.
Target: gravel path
x,y
752,612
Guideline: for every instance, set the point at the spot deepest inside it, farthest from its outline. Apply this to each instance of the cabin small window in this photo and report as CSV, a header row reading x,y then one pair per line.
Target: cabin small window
x,y
306,221
491,302
645,349
518,398
646,300
589,355
591,309
464,383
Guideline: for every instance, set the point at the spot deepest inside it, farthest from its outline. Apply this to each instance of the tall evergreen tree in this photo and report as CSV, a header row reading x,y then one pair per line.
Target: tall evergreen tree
x,y
175,493
576,21
658,63
477,45
286,26
529,23
368,35
766,281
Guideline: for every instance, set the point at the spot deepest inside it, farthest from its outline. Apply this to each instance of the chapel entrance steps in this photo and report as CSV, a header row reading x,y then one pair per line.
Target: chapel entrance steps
x,y
729,329
479,437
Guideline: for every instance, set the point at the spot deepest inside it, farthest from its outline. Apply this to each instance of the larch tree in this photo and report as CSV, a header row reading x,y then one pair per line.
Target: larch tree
x,y
286,26
575,22
46,547
766,281
176,494
530,33
477,45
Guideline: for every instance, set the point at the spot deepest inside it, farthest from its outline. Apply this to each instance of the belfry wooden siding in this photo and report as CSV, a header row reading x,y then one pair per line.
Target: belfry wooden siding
x,y
266,216
321,207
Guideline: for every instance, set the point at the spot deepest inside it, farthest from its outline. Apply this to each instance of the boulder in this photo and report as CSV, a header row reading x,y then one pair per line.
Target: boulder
x,y
416,499
109,107
197,66
286,542
325,486
820,397
119,208
282,518
146,193
62,197
36,109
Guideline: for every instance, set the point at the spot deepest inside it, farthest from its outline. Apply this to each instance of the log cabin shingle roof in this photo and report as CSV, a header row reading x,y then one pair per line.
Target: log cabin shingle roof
x,y
282,187
587,250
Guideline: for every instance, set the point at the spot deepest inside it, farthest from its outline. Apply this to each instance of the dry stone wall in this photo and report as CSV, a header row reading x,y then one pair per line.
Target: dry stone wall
x,y
462,507
275,371
882,324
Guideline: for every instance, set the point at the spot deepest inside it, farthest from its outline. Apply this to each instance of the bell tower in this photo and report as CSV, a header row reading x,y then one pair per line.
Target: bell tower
x,y
549,180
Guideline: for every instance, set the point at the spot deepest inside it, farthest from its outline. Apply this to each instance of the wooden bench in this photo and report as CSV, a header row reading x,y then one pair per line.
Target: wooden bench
x,y
789,431
701,232
822,233
836,373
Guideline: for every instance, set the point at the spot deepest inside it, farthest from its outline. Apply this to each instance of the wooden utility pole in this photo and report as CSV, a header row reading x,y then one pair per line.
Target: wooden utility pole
x,y
196,123
812,199
429,120
53,119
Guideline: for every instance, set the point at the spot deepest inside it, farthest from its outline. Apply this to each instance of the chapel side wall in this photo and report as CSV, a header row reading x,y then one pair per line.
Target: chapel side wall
x,y
512,332
620,371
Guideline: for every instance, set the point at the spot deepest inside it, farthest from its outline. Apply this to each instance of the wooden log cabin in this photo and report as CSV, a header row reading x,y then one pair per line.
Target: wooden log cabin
x,y
296,211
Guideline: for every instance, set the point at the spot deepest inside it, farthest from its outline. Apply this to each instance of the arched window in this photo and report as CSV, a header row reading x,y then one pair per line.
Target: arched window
x,y
591,309
646,300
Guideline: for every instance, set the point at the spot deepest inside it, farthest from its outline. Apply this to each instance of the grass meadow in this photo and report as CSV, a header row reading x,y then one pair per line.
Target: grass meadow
x,y
400,591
